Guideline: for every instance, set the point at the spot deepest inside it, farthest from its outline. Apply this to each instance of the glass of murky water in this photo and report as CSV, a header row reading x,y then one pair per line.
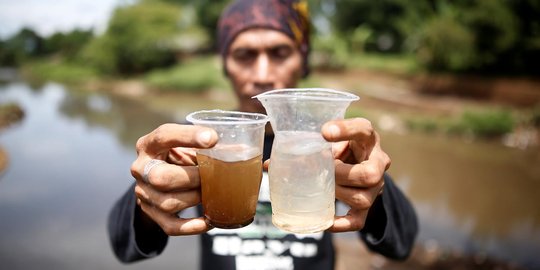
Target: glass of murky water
x,y
231,171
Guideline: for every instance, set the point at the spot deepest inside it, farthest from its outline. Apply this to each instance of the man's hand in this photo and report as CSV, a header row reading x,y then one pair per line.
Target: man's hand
x,y
360,166
174,185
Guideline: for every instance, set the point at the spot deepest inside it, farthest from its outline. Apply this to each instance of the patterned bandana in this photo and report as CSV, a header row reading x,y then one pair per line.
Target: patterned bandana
x,y
290,17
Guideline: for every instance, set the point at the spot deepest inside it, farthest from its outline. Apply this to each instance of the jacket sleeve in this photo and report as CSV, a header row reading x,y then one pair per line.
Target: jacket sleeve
x,y
129,240
391,225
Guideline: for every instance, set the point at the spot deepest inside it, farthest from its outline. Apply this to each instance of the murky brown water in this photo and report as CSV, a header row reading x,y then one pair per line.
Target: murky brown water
x,y
70,158
478,198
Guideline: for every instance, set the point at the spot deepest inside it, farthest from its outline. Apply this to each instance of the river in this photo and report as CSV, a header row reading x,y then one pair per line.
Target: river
x,y
70,158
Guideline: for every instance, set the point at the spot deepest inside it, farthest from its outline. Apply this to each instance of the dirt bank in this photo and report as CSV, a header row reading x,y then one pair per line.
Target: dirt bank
x,y
522,92
434,93
9,114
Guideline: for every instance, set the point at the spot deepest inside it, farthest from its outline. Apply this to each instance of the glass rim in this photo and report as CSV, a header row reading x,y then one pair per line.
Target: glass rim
x,y
309,94
229,117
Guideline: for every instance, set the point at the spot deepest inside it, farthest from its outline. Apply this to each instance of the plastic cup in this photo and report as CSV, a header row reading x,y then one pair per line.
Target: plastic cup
x,y
231,171
301,171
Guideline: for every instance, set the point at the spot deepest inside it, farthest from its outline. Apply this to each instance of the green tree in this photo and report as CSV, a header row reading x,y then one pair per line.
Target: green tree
x,y
518,58
495,29
21,47
138,38
67,44
443,42
207,14
389,21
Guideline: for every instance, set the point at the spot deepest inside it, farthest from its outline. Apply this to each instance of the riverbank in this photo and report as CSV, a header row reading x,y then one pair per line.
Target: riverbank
x,y
9,114
506,109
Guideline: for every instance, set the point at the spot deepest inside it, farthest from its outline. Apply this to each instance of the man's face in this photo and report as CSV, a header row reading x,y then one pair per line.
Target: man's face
x,y
259,60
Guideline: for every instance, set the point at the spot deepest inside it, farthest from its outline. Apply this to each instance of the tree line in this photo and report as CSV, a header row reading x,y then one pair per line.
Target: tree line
x,y
482,36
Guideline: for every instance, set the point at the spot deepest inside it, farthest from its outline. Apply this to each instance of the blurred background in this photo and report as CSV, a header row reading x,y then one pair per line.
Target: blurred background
x,y
452,86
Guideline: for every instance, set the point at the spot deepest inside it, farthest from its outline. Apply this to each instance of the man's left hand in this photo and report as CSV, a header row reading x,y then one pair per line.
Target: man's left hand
x,y
360,166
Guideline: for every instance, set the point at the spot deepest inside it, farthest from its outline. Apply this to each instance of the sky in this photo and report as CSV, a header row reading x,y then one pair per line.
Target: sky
x,y
50,16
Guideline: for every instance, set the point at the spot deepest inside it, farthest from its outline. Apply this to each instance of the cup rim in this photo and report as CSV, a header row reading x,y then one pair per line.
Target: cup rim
x,y
309,94
235,118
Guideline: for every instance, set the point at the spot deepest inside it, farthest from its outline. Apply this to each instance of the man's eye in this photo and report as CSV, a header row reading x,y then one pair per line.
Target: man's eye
x,y
281,52
244,55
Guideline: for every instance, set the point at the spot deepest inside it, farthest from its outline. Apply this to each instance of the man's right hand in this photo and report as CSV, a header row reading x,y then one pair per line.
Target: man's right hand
x,y
174,185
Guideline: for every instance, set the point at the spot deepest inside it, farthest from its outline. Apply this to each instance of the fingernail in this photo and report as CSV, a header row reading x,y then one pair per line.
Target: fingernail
x,y
333,130
204,137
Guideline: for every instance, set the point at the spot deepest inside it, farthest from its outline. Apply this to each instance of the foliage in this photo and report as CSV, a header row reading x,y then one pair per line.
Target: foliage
x,y
58,71
428,125
379,16
394,63
480,36
207,14
487,124
535,116
491,36
67,44
329,52
195,75
27,45
21,47
138,38
444,44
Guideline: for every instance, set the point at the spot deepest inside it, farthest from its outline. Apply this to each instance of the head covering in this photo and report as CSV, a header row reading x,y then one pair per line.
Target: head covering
x,y
290,17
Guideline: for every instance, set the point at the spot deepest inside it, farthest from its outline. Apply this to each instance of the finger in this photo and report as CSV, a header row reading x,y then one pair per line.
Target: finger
x,y
173,225
169,136
358,129
182,156
366,174
168,177
353,221
378,154
169,202
357,198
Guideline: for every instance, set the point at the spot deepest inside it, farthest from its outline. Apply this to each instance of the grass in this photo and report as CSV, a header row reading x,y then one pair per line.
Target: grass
x,y
64,72
394,63
193,75
480,123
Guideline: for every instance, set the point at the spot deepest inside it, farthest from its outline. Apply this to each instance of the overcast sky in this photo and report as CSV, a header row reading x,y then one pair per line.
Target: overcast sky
x,y
49,16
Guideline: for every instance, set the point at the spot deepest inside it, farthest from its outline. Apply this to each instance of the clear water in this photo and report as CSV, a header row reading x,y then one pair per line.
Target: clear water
x,y
302,187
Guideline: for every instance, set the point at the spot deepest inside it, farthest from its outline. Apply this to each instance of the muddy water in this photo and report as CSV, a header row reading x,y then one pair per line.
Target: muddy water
x,y
70,158
474,198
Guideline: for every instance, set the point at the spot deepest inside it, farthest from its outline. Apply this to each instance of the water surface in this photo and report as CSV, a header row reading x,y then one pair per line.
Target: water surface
x,y
70,159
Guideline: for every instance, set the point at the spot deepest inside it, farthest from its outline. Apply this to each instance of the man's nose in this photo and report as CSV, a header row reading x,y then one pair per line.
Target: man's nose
x,y
262,69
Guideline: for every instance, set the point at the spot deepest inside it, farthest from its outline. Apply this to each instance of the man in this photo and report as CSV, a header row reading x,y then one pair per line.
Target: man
x,y
264,45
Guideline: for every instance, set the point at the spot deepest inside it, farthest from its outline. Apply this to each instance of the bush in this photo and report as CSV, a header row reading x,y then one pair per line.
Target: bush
x,y
486,124
445,44
58,71
427,125
138,38
495,28
192,76
535,116
330,52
